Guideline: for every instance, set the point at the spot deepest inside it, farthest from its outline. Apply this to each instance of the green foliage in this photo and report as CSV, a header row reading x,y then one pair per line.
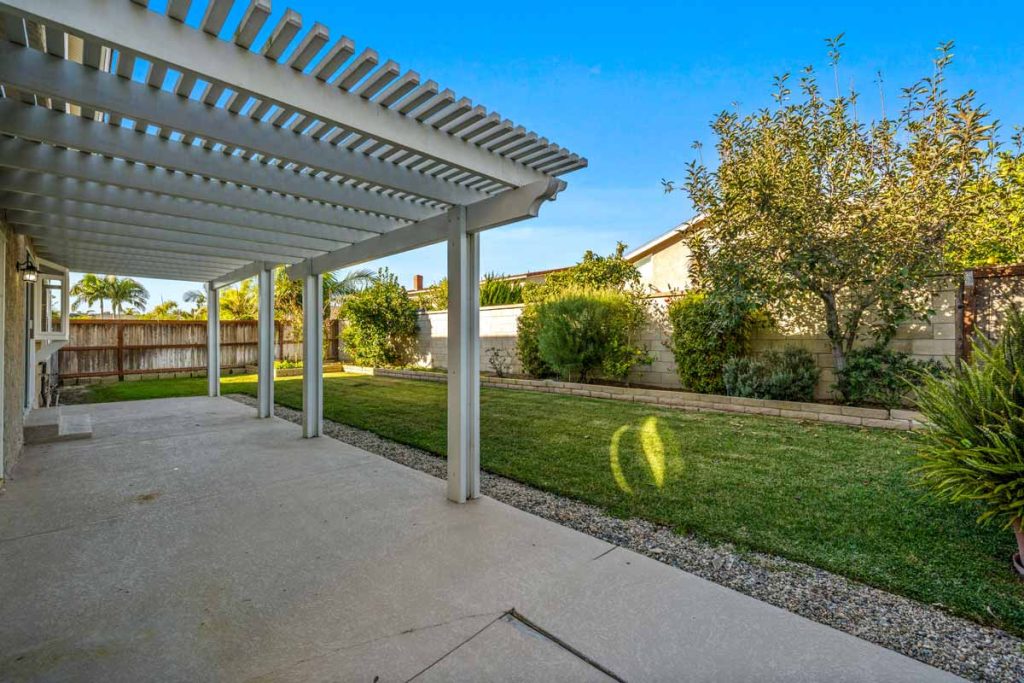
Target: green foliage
x,y
585,333
787,375
592,272
611,273
996,235
380,323
527,345
241,302
706,332
975,452
832,222
877,375
436,297
165,310
497,290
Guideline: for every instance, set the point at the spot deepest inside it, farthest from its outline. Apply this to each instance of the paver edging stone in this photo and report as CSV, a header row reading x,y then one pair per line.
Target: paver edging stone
x,y
854,416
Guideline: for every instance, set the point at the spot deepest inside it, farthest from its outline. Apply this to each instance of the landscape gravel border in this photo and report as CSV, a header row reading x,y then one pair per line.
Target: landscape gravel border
x,y
924,632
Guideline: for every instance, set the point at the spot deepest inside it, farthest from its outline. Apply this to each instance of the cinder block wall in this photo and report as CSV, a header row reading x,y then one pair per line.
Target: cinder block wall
x,y
13,348
935,339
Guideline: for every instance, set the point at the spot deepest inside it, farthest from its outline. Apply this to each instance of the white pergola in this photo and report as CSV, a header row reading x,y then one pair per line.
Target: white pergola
x,y
137,144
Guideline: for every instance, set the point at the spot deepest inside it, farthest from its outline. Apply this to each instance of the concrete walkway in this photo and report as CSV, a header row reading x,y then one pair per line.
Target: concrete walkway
x,y
190,541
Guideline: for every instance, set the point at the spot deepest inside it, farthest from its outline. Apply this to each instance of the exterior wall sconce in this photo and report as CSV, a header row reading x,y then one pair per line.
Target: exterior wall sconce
x,y
29,271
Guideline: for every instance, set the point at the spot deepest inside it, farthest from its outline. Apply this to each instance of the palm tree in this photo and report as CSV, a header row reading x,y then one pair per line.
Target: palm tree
x,y
241,303
89,290
288,292
197,298
125,292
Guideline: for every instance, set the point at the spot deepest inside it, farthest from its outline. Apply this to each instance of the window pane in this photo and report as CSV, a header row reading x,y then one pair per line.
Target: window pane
x,y
52,318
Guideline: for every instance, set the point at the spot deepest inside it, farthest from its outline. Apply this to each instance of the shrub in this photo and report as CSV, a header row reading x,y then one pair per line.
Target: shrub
x,y
789,375
877,375
586,333
593,272
975,450
707,332
380,323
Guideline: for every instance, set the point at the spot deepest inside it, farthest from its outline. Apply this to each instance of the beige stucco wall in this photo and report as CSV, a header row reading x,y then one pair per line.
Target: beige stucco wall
x,y
14,349
935,339
666,270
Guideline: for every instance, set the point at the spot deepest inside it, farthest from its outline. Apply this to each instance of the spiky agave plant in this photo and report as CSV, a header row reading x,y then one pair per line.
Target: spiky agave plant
x,y
975,452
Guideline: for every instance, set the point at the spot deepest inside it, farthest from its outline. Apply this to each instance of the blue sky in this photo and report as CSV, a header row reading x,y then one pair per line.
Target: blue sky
x,y
632,85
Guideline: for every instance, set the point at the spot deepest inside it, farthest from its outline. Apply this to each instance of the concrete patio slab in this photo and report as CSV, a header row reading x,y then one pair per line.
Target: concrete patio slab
x,y
188,540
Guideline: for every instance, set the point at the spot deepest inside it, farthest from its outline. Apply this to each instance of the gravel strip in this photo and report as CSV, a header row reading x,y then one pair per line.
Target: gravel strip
x,y
914,629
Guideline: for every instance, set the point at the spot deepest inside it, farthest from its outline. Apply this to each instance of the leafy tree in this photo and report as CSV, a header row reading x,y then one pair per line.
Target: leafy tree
x,y
380,323
996,235
436,296
196,297
828,221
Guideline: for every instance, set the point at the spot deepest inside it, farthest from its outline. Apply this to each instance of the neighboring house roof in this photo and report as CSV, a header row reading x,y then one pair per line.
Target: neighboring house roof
x,y
664,240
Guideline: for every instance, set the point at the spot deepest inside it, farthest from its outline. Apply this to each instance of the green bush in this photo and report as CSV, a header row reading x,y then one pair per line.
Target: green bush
x,y
593,272
588,333
877,375
975,450
707,332
789,375
527,346
380,323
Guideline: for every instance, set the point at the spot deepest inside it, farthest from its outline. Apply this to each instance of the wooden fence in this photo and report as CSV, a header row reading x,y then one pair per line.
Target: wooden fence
x,y
988,293
126,347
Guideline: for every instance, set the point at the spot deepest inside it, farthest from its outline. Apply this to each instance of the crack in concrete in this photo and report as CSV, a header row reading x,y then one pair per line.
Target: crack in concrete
x,y
449,652
369,641
614,547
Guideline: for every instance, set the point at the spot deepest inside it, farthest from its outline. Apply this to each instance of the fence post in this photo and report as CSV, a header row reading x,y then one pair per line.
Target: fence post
x,y
120,351
967,326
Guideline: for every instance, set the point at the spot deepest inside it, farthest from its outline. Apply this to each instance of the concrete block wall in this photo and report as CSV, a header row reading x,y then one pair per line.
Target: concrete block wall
x,y
932,340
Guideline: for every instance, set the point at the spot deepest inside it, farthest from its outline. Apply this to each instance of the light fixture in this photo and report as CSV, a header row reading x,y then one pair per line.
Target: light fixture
x,y
29,270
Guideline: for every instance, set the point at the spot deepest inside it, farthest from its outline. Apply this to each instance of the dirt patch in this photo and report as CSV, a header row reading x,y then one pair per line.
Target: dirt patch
x,y
147,497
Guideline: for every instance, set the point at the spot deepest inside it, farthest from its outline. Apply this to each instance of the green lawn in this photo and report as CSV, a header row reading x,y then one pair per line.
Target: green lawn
x,y
834,497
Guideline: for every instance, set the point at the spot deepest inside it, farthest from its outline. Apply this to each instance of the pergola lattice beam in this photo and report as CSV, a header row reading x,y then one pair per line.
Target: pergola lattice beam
x,y
133,29
43,74
55,128
159,205
37,158
296,246
508,207
120,235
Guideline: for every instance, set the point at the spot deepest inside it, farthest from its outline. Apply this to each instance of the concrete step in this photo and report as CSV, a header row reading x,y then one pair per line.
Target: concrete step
x,y
49,425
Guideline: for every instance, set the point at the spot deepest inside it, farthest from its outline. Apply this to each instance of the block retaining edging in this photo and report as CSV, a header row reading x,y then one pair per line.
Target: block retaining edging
x,y
877,418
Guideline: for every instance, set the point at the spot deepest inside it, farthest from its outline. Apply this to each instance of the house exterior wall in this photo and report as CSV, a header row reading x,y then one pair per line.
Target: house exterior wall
x,y
14,349
669,269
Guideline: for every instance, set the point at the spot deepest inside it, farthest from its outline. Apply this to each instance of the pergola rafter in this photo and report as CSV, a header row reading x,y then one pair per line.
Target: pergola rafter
x,y
133,142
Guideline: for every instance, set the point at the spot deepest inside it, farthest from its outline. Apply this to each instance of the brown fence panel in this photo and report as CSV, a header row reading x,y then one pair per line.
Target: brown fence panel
x,y
105,348
988,295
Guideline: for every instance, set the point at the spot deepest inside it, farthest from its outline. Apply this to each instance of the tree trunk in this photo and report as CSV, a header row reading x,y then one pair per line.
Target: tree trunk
x,y
834,333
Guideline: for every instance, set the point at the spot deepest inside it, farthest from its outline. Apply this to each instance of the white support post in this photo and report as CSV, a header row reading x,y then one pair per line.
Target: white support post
x,y
213,340
265,353
312,356
463,359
